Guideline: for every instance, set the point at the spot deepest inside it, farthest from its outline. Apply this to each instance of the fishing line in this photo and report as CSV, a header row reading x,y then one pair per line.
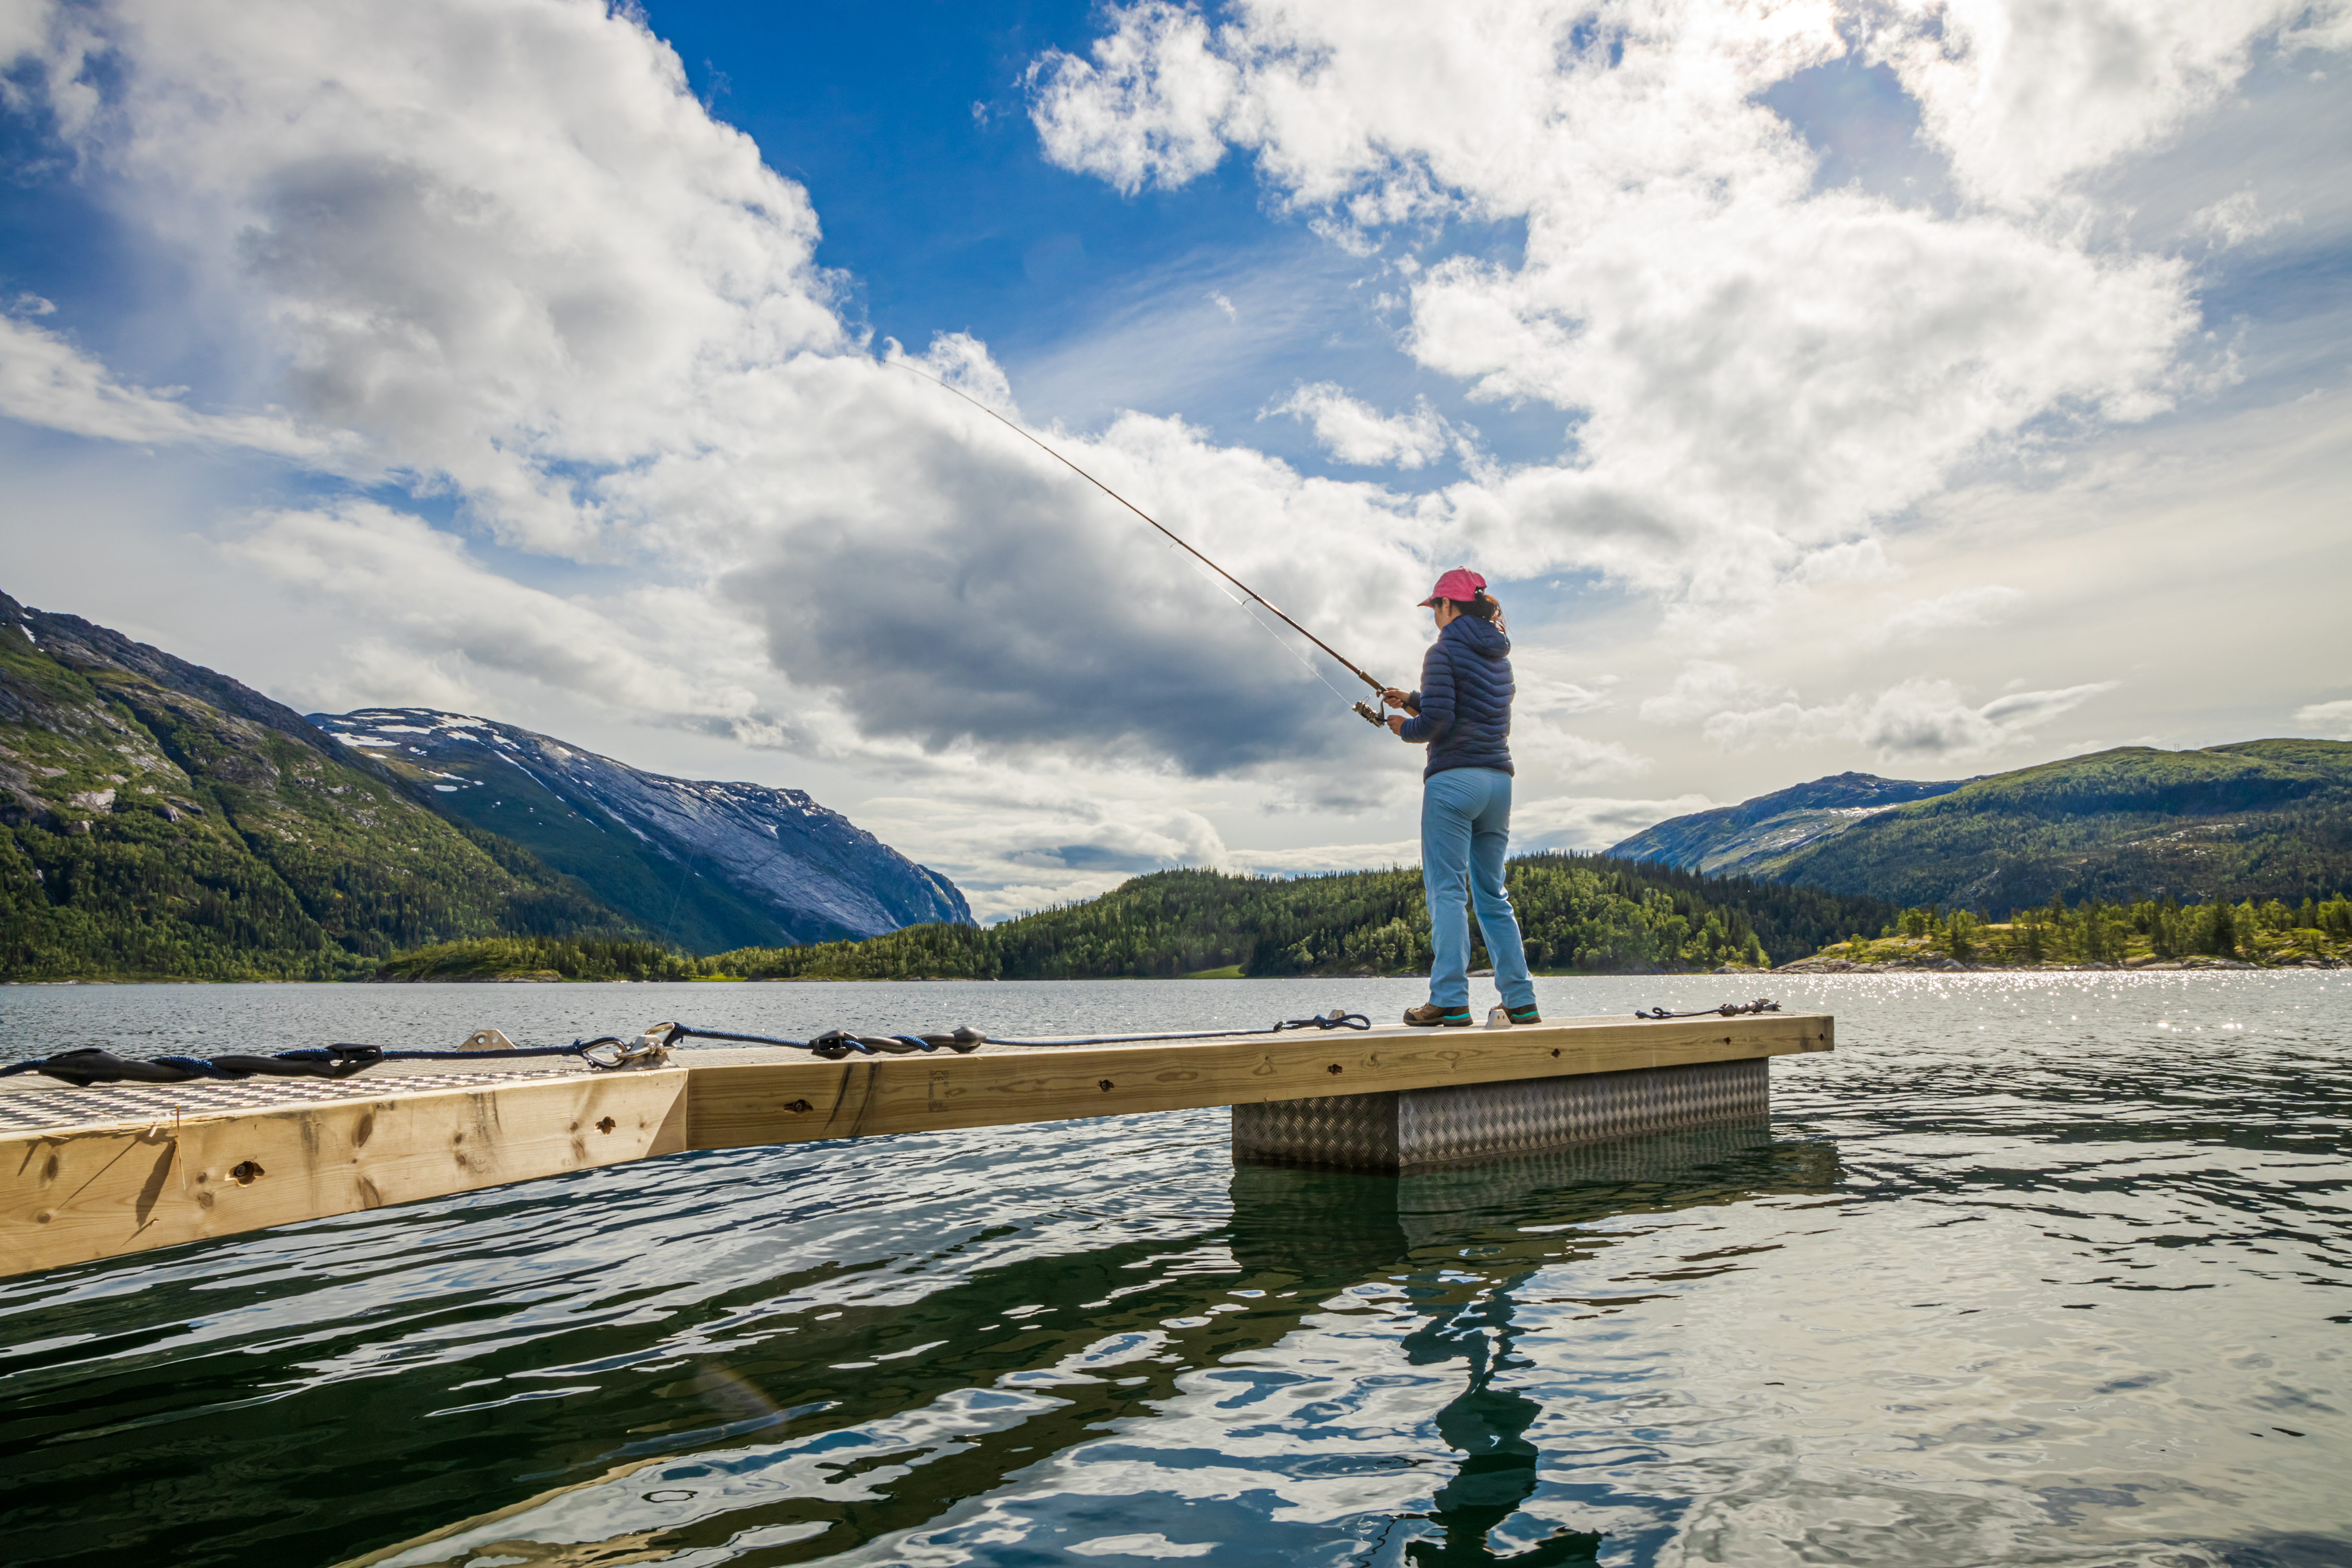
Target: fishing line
x,y
1173,537
670,925
1304,662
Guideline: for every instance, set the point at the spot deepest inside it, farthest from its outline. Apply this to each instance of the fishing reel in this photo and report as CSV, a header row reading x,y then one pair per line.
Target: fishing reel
x,y
1379,719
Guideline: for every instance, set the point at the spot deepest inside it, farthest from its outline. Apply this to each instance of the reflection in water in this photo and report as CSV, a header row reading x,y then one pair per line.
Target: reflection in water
x,y
2070,1290
1345,1225
855,1475
1498,1464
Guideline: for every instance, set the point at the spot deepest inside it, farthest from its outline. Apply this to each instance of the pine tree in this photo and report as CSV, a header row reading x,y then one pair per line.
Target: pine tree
x,y
2220,932
1959,935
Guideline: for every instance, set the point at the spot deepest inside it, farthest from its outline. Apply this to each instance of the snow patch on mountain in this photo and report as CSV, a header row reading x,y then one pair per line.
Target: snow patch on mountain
x,y
705,863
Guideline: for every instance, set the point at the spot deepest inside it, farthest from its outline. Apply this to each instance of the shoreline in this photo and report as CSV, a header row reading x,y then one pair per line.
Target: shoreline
x,y
1955,966
1804,966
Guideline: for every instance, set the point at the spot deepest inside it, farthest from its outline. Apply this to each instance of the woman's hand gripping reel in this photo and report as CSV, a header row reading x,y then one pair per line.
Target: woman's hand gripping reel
x,y
1394,699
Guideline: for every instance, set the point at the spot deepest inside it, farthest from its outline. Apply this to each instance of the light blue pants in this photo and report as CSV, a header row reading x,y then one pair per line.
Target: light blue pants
x,y
1465,831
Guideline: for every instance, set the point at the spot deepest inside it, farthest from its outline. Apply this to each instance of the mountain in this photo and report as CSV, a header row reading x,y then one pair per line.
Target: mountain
x,y
159,819
707,866
2257,819
1750,838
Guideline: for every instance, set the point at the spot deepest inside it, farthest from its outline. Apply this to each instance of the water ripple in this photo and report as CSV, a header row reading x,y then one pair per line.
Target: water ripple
x,y
2046,1269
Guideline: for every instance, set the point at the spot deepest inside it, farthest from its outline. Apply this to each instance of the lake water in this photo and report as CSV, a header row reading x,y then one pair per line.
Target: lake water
x,y
2047,1269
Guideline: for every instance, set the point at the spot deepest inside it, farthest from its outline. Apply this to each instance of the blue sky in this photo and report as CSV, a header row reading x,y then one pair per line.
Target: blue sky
x,y
910,127
1825,387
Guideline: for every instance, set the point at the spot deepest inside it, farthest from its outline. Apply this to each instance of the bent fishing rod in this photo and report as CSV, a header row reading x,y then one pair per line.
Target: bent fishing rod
x,y
1365,709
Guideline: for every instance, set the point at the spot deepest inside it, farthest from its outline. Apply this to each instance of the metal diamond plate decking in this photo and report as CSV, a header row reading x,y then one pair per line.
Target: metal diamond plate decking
x,y
1407,1129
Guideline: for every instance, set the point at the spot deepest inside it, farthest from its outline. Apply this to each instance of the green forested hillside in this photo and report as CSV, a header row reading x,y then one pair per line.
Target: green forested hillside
x,y
2261,820
160,820
1579,912
1764,831
544,958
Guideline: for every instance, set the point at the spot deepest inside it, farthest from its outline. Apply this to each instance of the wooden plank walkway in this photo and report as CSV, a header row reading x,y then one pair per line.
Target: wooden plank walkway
x,y
93,1173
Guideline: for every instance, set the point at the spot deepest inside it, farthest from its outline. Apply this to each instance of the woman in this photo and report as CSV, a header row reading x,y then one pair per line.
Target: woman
x,y
1462,711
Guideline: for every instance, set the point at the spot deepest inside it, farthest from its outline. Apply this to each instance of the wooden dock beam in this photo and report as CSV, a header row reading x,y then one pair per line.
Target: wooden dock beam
x,y
87,1174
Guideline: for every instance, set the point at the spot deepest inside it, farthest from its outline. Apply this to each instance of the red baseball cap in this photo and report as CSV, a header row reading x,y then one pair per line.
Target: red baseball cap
x,y
1459,583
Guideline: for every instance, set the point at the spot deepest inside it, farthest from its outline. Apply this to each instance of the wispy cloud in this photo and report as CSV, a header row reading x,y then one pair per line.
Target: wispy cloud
x,y
442,612
1542,695
1916,720
1960,609
1326,857
46,381
2332,720
1590,823
2239,218
1704,687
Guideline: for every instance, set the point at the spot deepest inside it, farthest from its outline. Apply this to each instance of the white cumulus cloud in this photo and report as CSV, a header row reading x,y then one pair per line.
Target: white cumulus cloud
x,y
500,247
1763,368
445,606
2023,95
494,253
1354,432
1149,108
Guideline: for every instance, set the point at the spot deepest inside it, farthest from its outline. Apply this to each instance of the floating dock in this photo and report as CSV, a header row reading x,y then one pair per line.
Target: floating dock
x,y
98,1173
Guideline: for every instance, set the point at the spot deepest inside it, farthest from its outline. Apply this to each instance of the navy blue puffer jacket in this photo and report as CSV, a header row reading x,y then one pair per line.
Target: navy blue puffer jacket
x,y
1464,698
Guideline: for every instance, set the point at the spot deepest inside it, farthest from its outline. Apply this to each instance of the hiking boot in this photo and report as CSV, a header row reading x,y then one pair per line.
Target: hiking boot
x,y
1526,1014
1429,1015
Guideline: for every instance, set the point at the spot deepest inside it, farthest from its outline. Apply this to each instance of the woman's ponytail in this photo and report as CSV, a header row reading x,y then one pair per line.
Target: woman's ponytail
x,y
1486,607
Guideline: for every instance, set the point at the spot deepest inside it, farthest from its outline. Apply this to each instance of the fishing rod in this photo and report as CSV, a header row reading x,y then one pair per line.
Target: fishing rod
x,y
1365,709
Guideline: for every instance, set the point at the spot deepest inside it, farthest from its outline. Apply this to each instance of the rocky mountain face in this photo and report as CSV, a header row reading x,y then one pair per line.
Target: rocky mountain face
x,y
161,820
1757,836
158,819
708,866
